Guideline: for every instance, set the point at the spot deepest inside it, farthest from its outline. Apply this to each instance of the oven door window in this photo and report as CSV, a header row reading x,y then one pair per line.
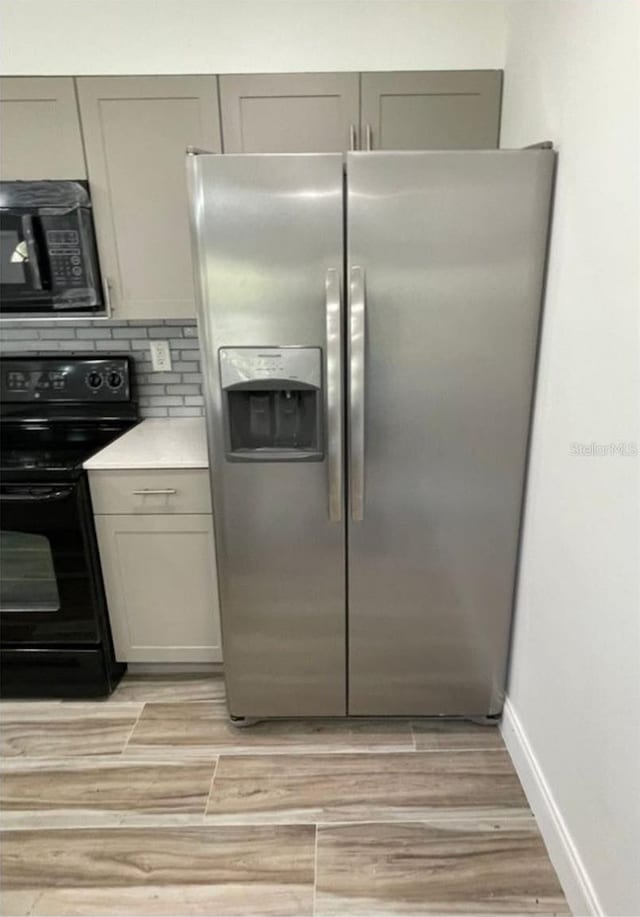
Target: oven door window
x,y
27,576
14,258
24,274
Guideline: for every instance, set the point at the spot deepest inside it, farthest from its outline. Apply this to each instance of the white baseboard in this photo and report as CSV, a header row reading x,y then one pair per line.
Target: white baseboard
x,y
571,871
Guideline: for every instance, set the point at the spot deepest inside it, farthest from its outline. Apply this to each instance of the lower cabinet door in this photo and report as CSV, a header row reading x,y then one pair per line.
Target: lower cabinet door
x,y
160,580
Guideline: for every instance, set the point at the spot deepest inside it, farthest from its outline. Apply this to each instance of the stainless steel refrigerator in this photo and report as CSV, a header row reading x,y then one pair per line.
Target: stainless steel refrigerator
x,y
369,326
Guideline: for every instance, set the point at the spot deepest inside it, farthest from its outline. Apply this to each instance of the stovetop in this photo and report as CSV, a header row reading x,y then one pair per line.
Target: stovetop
x,y
60,460
57,465
54,454
56,413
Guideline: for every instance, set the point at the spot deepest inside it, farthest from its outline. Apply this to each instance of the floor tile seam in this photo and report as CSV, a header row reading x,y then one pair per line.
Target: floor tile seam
x,y
131,731
308,752
260,750
120,821
315,870
104,715
520,816
524,819
35,764
216,702
37,898
139,750
197,819
213,777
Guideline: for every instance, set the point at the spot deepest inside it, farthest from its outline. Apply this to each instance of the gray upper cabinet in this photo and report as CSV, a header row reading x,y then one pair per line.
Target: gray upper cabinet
x,y
136,130
289,112
39,129
431,110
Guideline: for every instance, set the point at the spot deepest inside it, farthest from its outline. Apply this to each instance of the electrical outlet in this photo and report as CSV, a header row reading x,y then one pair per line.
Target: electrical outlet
x,y
160,356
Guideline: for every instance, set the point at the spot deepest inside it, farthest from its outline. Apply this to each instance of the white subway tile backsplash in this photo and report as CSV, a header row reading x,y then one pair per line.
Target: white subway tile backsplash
x,y
150,389
93,333
168,401
69,346
158,378
113,346
128,332
20,334
57,334
177,393
184,412
183,389
165,331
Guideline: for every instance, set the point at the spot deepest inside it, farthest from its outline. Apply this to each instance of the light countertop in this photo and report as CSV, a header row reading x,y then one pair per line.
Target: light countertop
x,y
157,442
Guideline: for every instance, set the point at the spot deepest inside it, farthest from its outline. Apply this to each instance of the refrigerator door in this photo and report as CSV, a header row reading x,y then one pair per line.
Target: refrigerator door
x,y
446,256
268,237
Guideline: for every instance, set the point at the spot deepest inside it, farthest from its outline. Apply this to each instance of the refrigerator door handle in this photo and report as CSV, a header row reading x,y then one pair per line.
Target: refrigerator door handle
x,y
357,325
334,394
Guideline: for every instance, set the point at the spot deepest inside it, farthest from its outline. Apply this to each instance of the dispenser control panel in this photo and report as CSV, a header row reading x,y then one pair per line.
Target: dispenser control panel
x,y
297,365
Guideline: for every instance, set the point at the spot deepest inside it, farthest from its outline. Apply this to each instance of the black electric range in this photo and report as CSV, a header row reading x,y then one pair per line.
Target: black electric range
x,y
55,412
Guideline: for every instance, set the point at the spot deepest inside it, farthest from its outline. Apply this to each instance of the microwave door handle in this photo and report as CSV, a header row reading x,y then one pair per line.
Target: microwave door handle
x,y
32,251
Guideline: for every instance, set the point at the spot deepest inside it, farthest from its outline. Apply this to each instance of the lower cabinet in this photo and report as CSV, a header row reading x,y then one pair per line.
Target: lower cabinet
x,y
160,580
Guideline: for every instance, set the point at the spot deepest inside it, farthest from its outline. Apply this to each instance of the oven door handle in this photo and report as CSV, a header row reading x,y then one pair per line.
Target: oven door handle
x,y
36,498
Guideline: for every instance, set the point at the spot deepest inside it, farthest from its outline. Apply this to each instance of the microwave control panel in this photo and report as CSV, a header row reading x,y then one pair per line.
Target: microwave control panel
x,y
64,247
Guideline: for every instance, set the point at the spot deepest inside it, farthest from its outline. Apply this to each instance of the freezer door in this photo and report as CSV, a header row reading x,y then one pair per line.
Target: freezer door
x,y
446,255
268,238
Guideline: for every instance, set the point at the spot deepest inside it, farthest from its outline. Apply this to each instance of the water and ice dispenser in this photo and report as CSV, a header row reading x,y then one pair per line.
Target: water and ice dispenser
x,y
272,399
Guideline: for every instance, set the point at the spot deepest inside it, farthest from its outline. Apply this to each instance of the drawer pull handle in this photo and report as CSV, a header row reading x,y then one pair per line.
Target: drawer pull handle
x,y
166,491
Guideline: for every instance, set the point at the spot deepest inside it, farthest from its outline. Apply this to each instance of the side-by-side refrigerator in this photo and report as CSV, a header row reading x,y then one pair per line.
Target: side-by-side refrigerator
x,y
369,326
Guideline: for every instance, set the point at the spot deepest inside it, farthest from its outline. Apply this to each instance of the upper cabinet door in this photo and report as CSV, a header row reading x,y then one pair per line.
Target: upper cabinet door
x,y
136,131
436,110
289,112
39,129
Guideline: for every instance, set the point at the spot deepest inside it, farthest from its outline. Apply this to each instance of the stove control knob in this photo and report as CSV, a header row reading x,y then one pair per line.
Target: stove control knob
x,y
94,380
114,379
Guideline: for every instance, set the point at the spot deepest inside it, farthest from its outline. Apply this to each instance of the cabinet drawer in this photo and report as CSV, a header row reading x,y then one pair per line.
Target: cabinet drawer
x,y
150,491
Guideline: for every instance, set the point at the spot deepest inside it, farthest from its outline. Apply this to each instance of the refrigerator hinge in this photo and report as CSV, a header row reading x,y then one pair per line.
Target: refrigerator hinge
x,y
543,145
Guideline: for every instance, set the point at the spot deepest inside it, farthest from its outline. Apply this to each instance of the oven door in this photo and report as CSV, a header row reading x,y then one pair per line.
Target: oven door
x,y
50,583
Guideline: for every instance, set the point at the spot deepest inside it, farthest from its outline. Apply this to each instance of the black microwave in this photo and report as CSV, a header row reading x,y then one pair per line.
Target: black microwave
x,y
48,256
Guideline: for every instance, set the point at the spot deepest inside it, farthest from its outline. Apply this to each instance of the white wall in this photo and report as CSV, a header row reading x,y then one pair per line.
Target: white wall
x,y
572,76
248,36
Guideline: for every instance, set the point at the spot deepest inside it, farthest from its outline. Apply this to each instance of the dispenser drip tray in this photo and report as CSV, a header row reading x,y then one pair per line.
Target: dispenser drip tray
x,y
282,419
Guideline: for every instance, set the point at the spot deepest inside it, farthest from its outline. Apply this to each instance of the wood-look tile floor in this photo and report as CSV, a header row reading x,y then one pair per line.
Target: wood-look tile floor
x,y
152,803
